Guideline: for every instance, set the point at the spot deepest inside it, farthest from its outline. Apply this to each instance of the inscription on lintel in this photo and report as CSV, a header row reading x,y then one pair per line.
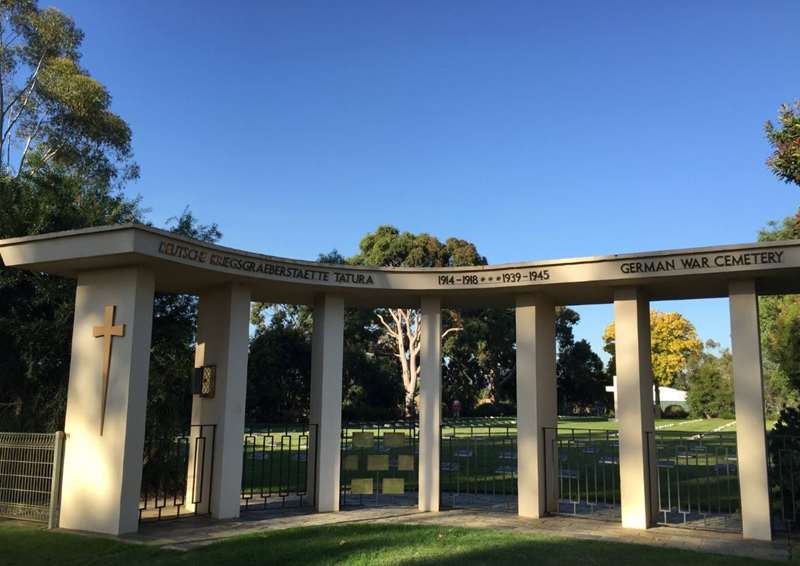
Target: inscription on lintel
x,y
259,267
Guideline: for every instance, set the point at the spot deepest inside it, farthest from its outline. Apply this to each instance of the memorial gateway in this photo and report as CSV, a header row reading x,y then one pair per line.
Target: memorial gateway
x,y
118,269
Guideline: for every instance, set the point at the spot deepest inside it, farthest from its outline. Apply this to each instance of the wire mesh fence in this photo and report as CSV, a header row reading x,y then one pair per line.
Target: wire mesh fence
x,y
277,465
30,468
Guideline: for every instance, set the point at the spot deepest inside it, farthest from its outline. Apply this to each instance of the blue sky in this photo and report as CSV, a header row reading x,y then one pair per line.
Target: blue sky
x,y
534,130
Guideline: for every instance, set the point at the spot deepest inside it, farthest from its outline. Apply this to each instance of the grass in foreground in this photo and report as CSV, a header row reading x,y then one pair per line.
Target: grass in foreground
x,y
351,545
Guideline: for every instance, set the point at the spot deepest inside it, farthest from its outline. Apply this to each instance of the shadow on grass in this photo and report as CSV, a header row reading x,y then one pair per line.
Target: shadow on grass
x,y
364,544
420,545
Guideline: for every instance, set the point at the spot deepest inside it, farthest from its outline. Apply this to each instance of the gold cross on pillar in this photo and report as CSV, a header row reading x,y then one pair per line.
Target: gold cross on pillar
x,y
107,332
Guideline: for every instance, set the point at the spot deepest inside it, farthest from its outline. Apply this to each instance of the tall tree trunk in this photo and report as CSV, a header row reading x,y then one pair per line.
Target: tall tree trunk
x,y
405,329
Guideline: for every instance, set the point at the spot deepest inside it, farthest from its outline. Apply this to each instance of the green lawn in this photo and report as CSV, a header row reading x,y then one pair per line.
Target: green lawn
x,y
683,425
291,438
286,436
350,544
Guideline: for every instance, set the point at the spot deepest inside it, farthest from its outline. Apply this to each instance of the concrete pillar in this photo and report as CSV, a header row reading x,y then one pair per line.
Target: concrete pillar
x,y
751,434
536,406
430,403
637,462
223,340
324,454
103,472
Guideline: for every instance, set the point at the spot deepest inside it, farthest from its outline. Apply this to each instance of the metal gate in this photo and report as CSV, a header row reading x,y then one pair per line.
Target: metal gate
x,y
176,475
30,475
698,480
478,464
784,482
379,464
696,484
276,466
587,479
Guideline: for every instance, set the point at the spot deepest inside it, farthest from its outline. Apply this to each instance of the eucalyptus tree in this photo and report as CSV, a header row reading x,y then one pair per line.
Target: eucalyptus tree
x,y
784,137
53,114
388,247
62,155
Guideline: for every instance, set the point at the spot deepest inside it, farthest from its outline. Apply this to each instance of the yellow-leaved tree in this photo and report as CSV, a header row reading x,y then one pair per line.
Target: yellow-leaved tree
x,y
673,343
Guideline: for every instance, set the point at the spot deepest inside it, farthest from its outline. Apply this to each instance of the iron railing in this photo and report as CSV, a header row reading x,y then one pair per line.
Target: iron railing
x,y
379,463
177,475
697,480
478,464
30,475
784,482
587,480
277,465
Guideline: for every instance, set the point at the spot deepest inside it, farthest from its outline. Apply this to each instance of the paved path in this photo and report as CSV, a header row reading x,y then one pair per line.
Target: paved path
x,y
188,533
